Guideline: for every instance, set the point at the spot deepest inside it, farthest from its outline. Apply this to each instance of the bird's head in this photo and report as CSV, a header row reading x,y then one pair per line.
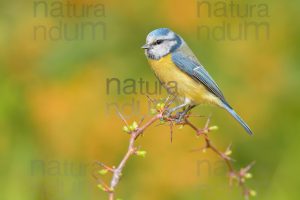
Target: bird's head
x,y
160,42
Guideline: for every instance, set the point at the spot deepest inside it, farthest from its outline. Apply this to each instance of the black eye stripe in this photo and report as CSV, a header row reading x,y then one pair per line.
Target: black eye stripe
x,y
158,42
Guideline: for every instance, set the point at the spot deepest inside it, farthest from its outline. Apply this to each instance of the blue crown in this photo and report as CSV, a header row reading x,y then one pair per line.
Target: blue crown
x,y
160,32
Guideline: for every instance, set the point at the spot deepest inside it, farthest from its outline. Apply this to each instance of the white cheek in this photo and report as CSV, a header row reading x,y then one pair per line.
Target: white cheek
x,y
163,49
160,50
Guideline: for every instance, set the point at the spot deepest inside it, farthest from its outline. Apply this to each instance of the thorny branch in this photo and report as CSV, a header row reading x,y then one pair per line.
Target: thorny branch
x,y
136,129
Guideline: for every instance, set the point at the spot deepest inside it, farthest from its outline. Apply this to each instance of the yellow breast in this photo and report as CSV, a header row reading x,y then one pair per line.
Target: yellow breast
x,y
186,87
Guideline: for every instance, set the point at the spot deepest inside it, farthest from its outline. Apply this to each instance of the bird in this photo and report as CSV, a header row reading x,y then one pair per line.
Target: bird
x,y
173,61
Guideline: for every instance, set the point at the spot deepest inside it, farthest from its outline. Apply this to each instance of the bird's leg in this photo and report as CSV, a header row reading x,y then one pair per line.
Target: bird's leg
x,y
170,111
183,113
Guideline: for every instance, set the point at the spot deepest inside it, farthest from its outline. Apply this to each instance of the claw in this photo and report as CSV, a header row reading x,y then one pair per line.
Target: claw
x,y
167,113
180,117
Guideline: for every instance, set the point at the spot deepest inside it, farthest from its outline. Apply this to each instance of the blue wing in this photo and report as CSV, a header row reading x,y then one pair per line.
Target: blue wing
x,y
189,64
195,70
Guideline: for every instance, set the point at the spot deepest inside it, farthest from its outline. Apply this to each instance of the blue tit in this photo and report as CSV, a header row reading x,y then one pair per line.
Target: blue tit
x,y
173,61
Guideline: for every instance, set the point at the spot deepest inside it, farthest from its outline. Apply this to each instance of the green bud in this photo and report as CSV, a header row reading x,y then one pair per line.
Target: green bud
x,y
134,125
213,128
153,111
131,128
103,171
158,106
253,193
101,187
228,152
141,153
162,121
126,129
248,175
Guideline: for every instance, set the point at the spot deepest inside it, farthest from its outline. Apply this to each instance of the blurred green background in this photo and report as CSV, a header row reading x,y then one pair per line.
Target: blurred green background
x,y
56,118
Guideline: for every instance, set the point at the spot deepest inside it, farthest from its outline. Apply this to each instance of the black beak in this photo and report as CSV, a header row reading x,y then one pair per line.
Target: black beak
x,y
145,46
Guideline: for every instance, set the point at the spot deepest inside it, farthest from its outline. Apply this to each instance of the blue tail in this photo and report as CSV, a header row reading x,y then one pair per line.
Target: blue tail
x,y
238,118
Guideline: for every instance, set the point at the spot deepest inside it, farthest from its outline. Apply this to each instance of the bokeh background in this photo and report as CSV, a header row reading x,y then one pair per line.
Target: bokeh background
x,y
57,119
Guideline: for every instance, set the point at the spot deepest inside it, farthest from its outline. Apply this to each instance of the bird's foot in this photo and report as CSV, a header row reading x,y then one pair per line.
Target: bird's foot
x,y
167,113
180,117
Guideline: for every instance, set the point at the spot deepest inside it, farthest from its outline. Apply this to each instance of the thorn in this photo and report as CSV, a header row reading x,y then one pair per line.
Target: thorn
x,y
199,149
170,102
228,150
102,185
207,122
150,99
141,121
190,115
226,157
171,129
167,99
232,176
110,169
121,116
247,168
